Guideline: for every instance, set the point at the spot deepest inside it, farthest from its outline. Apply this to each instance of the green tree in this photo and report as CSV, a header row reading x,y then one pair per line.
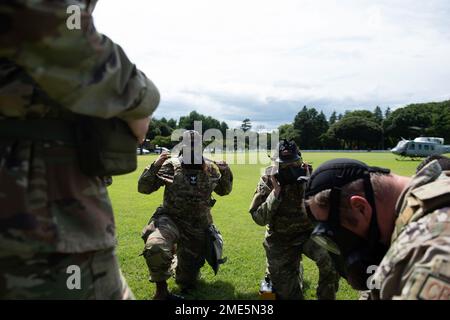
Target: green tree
x,y
361,113
287,131
310,125
441,121
187,122
163,142
387,113
358,132
378,115
333,118
223,128
172,123
329,140
246,125
153,130
407,122
158,128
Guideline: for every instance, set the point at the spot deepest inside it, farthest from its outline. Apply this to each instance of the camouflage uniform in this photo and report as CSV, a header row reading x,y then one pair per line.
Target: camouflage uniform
x,y
52,215
417,265
287,238
179,225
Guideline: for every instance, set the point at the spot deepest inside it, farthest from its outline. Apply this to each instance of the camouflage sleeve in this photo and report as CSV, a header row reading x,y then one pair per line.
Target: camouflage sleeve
x,y
81,69
264,203
417,265
226,181
154,177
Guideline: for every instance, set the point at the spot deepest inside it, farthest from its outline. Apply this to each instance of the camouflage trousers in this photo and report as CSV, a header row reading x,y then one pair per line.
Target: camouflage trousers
x,y
90,275
170,250
284,257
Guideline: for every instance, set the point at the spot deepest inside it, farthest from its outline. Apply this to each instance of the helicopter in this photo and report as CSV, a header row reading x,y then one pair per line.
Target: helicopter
x,y
420,147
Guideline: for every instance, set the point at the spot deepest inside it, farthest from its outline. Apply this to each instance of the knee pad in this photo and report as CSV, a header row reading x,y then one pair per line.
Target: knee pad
x,y
156,253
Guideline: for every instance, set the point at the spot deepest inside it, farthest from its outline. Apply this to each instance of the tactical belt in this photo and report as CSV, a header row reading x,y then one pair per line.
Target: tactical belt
x,y
39,129
105,147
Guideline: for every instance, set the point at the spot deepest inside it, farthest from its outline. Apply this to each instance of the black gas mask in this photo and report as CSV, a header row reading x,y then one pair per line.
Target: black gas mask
x,y
288,153
351,254
289,175
191,154
192,161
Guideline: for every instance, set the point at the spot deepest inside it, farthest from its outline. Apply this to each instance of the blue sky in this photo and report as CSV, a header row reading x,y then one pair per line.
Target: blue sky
x,y
265,59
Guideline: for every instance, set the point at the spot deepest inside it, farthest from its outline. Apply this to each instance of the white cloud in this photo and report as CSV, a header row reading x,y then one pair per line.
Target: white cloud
x,y
265,59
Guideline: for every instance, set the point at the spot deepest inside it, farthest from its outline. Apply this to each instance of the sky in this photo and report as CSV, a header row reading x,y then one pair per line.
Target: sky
x,y
266,59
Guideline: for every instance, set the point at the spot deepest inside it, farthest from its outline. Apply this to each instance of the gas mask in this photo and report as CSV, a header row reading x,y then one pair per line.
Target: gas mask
x,y
290,175
352,255
192,161
191,154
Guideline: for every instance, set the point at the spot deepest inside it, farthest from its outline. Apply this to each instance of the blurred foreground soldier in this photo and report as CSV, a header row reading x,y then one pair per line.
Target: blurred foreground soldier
x,y
369,217
72,109
179,233
278,203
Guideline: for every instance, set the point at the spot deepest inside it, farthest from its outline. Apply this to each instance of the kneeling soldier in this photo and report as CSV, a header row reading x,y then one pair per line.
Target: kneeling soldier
x,y
278,203
180,226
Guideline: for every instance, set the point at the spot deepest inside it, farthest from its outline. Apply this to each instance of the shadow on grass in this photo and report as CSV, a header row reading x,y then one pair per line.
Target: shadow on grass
x,y
222,290
216,290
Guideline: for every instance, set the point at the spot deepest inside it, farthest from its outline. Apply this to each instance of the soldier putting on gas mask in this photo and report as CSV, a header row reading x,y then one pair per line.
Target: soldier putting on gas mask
x,y
278,203
370,219
181,234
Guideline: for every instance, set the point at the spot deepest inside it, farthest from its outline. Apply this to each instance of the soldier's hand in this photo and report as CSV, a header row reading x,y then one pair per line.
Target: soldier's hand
x,y
222,165
308,168
275,184
162,157
139,127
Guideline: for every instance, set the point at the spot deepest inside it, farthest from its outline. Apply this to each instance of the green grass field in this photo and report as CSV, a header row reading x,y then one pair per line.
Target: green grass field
x,y
240,277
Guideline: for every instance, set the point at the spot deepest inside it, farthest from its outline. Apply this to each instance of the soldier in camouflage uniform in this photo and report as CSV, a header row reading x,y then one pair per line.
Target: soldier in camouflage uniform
x,y
56,221
414,223
176,234
281,208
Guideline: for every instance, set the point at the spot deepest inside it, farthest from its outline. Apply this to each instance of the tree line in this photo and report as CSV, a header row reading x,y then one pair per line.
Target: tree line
x,y
365,129
160,130
351,130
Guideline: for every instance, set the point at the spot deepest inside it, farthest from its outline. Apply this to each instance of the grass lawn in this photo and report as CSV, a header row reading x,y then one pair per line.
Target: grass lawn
x,y
240,277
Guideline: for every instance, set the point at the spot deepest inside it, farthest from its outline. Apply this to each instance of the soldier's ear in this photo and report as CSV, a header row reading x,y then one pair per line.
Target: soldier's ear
x,y
361,210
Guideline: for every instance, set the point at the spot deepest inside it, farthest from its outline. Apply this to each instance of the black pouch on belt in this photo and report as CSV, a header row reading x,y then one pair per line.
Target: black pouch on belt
x,y
106,147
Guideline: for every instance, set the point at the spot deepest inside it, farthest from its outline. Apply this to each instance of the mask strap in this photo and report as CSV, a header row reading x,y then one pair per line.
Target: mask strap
x,y
333,215
373,229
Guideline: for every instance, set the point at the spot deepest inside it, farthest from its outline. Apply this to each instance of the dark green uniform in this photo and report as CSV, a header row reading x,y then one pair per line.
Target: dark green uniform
x,y
417,264
179,225
287,238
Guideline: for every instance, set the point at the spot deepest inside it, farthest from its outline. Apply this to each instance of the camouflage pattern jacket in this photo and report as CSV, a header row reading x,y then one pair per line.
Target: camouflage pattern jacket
x,y
49,71
417,265
187,193
285,215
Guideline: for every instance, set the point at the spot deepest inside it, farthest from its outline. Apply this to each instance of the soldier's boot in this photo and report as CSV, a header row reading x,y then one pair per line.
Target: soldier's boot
x,y
287,286
190,261
163,293
187,282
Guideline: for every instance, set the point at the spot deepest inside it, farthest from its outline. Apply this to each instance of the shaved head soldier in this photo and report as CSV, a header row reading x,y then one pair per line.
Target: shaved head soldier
x,y
387,233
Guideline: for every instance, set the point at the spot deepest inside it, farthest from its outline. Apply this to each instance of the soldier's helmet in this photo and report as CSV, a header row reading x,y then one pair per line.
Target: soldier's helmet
x,y
191,137
287,152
